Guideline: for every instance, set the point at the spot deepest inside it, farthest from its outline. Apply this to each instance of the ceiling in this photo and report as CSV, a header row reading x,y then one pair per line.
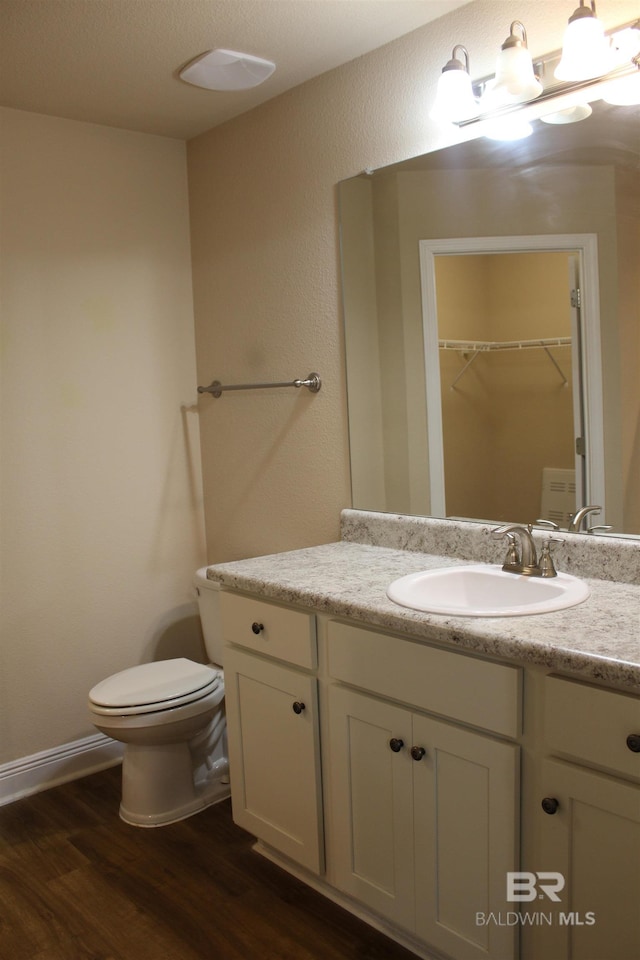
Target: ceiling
x,y
116,62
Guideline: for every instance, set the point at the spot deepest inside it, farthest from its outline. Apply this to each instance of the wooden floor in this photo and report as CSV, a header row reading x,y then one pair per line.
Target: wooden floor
x,y
76,883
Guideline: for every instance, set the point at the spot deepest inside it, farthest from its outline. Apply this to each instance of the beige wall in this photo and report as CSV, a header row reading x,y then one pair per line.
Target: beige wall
x,y
101,493
266,270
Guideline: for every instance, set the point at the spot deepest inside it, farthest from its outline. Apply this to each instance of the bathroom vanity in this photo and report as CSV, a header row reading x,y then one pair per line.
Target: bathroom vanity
x,y
470,786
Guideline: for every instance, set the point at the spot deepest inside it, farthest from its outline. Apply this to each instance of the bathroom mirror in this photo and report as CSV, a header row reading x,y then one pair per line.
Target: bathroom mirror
x,y
492,324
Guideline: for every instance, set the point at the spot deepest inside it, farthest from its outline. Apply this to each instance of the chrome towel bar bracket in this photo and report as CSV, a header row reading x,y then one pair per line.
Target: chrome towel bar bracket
x,y
312,382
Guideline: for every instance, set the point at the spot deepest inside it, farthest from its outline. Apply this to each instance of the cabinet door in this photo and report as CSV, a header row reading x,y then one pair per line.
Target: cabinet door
x,y
274,755
466,801
593,840
371,803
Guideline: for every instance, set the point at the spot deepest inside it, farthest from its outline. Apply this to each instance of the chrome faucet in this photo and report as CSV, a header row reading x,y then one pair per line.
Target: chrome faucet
x,y
575,524
525,560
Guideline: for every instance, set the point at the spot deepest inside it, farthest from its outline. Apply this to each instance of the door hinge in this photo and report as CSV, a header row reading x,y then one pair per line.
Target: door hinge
x,y
581,447
576,298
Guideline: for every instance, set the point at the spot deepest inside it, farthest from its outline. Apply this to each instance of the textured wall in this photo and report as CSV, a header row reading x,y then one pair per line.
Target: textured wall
x,y
266,266
101,492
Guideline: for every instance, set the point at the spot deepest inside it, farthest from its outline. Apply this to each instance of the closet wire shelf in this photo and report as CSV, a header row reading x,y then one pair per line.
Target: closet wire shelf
x,y
476,347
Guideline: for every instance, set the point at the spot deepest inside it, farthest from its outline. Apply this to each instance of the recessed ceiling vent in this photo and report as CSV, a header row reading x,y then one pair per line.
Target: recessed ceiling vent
x,y
227,70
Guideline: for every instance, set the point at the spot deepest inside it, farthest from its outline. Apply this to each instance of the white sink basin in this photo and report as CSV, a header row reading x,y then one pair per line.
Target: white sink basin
x,y
485,590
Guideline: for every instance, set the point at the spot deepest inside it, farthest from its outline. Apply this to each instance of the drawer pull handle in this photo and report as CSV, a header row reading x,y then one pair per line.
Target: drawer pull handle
x,y
396,744
550,805
298,707
417,753
633,742
257,627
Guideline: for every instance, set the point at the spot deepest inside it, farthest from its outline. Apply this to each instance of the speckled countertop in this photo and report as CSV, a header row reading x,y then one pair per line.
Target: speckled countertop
x,y
599,639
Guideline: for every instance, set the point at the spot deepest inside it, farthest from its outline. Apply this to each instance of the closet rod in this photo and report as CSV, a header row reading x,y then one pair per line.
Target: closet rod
x,y
312,382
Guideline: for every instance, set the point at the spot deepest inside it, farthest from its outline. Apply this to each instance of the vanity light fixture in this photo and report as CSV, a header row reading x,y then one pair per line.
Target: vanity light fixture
x,y
515,80
455,101
539,87
586,52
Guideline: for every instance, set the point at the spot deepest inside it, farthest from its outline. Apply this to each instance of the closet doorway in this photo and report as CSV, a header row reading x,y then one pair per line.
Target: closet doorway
x,y
512,399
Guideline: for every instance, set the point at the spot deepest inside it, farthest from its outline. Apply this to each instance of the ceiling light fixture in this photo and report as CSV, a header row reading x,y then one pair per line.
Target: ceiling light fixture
x,y
227,70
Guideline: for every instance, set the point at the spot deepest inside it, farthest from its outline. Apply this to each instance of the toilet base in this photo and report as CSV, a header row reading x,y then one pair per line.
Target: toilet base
x,y
158,785
220,792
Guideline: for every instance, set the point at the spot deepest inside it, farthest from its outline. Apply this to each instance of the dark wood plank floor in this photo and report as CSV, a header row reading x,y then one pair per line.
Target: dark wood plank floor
x,y
78,884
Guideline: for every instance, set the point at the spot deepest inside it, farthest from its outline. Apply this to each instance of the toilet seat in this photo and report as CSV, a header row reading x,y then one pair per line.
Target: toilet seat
x,y
152,687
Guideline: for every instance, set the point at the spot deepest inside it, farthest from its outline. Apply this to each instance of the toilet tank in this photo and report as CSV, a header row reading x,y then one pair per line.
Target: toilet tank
x,y
209,606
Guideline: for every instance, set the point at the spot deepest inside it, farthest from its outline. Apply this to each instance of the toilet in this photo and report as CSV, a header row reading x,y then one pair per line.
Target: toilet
x,y
170,716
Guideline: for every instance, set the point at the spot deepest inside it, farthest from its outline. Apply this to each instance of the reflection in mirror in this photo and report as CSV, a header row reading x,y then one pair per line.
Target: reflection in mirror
x,y
504,331
519,423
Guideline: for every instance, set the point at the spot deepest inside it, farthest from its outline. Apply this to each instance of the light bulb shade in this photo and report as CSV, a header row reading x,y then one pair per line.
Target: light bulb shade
x,y
508,128
514,72
454,101
624,92
514,82
569,115
586,52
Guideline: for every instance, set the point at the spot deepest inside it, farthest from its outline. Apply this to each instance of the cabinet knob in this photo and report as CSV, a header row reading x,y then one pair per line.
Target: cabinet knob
x,y
257,627
417,753
396,744
633,742
550,805
298,707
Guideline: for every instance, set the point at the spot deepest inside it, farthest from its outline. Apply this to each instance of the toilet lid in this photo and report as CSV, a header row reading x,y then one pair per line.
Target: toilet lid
x,y
155,683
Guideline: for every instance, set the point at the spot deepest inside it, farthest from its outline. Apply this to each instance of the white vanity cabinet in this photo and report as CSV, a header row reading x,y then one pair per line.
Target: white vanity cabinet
x,y
423,811
589,825
386,772
272,723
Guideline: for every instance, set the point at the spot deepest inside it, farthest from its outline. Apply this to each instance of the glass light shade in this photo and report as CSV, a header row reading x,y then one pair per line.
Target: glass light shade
x,y
454,101
624,92
569,115
515,81
626,43
512,127
585,52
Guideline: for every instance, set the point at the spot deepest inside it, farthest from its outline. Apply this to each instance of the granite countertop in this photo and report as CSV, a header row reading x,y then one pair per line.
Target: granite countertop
x,y
598,639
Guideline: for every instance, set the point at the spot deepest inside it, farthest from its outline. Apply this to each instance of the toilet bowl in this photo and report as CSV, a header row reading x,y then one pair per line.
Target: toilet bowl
x,y
170,716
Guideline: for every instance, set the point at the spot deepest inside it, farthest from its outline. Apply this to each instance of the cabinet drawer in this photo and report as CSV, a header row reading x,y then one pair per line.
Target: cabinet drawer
x,y
267,628
451,684
592,724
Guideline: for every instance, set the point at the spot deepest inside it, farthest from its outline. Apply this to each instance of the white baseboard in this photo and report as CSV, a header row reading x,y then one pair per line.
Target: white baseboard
x,y
40,771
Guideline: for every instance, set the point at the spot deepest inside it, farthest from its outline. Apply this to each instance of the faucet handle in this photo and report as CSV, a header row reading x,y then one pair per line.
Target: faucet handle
x,y
551,524
602,526
547,567
512,558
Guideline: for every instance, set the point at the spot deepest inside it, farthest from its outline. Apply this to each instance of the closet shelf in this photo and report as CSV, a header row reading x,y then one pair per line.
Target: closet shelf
x,y
483,346
476,347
